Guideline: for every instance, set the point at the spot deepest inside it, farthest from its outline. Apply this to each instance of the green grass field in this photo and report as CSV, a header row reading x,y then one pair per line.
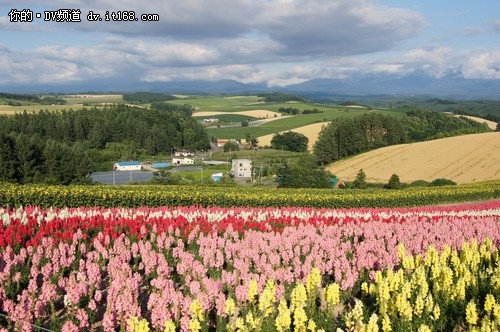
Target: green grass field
x,y
226,118
220,103
290,123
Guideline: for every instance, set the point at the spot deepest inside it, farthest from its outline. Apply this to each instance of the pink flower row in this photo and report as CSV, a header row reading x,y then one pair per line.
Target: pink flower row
x,y
101,281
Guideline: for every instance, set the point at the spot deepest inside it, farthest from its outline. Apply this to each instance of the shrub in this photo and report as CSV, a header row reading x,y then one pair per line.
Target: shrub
x,y
420,183
394,182
443,182
231,146
290,141
360,181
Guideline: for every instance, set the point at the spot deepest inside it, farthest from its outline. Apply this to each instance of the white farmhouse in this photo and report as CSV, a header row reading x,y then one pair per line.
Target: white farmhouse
x,y
182,161
183,153
242,168
127,166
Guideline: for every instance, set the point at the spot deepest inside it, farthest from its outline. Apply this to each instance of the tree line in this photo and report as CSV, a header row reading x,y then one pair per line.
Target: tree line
x,y
146,97
56,144
349,136
295,111
13,99
31,159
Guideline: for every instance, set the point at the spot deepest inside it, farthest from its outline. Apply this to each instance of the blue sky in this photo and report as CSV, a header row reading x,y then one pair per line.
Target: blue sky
x,y
278,42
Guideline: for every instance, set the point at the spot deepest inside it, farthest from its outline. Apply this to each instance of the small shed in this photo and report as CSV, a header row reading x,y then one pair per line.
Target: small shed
x,y
132,165
220,142
336,182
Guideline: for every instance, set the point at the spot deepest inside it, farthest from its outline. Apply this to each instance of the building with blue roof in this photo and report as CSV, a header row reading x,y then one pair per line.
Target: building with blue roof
x,y
132,165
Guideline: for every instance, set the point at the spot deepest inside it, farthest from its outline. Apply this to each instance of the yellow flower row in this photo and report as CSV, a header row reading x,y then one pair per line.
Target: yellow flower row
x,y
133,196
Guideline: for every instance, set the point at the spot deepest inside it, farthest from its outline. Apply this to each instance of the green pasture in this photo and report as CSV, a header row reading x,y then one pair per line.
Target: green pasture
x,y
226,118
290,123
220,103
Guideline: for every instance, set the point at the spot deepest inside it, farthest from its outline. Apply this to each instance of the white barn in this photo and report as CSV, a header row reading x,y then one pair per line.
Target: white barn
x,y
242,168
127,166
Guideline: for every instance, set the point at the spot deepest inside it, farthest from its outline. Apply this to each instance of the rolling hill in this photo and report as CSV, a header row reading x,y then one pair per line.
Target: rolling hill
x,y
468,158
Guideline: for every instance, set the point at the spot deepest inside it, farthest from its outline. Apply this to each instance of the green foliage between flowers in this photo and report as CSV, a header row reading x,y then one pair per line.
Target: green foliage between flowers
x,y
13,195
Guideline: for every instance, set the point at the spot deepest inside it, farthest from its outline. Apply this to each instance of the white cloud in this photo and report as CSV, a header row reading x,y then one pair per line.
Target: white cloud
x,y
280,42
482,66
242,73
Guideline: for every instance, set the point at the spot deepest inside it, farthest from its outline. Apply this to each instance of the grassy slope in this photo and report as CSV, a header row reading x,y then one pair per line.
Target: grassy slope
x,y
289,123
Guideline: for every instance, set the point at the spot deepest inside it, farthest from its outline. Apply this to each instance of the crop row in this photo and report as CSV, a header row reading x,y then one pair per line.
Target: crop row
x,y
28,226
171,269
134,196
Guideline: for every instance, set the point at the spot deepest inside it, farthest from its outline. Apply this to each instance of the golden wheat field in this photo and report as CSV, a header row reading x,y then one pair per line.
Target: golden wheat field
x,y
463,159
310,131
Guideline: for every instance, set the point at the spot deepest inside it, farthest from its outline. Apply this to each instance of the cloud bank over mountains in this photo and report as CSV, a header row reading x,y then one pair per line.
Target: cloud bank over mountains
x,y
271,42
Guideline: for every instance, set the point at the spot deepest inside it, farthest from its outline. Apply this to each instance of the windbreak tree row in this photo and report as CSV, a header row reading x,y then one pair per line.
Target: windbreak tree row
x,y
349,136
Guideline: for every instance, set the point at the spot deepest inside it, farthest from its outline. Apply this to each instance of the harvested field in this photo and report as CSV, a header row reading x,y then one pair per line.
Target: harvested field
x,y
310,131
463,159
254,113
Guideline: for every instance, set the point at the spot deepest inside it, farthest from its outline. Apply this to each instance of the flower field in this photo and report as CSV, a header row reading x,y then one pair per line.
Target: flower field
x,y
156,196
434,268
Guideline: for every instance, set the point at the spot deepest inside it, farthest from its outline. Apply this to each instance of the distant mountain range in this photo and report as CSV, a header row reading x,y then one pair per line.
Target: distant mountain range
x,y
453,86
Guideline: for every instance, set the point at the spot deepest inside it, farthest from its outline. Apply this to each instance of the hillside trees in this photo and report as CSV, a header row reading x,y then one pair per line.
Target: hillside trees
x,y
349,136
302,174
162,128
290,141
25,159
146,97
8,162
278,97
52,146
424,125
346,137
